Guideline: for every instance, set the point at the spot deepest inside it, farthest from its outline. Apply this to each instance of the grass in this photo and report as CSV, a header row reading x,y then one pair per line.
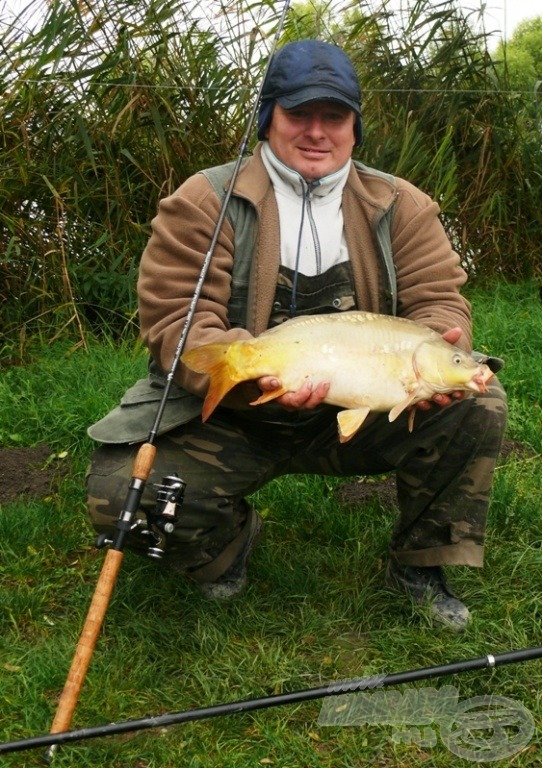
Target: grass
x,y
316,609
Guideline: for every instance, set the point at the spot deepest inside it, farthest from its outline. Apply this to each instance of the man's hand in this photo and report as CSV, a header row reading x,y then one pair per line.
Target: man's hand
x,y
451,336
306,398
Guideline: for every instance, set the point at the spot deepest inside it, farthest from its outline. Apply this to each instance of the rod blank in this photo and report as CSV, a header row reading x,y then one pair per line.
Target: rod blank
x,y
250,705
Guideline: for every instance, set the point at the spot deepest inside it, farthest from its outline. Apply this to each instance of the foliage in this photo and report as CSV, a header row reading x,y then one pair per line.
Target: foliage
x,y
436,113
520,58
316,609
107,107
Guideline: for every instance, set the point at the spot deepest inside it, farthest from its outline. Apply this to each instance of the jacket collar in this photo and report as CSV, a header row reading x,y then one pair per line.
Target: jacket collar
x,y
371,186
253,181
254,184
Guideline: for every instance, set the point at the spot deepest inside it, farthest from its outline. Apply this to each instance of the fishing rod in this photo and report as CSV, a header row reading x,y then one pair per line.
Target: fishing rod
x,y
170,492
338,688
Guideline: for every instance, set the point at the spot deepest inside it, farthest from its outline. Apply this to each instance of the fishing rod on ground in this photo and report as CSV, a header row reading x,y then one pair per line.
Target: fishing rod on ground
x,y
339,688
170,492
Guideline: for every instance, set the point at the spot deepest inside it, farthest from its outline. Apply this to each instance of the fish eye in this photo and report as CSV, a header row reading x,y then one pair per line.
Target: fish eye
x,y
457,359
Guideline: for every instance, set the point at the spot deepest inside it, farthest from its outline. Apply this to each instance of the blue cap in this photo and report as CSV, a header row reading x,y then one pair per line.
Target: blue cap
x,y
310,70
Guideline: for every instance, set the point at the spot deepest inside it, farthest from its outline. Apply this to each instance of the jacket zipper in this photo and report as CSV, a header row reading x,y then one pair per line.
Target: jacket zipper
x,y
315,238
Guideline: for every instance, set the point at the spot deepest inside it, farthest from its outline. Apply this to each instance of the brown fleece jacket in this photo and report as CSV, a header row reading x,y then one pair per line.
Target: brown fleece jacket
x,y
429,275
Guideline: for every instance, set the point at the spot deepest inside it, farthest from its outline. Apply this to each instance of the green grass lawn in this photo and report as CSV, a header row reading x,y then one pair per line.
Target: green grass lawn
x,y
316,609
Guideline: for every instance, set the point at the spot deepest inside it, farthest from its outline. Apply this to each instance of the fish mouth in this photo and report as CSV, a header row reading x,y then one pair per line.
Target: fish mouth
x,y
480,379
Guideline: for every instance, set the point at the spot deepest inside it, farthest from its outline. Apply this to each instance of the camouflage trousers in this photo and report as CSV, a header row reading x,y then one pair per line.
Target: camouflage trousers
x,y
444,472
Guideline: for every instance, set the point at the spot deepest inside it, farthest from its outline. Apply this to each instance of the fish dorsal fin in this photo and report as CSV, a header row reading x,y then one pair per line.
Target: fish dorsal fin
x,y
265,397
350,421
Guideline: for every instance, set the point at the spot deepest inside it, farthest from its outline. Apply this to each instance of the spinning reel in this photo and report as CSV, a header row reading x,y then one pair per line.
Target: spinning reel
x,y
161,521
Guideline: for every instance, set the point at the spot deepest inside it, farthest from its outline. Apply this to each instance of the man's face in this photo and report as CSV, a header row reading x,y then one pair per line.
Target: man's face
x,y
314,139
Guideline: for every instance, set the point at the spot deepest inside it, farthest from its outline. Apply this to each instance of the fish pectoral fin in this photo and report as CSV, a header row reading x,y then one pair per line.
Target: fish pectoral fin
x,y
398,409
265,397
350,421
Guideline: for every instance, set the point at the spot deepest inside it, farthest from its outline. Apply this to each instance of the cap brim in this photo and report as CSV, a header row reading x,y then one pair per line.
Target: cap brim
x,y
317,93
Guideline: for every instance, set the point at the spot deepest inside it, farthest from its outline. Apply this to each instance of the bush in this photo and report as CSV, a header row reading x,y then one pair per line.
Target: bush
x,y
110,108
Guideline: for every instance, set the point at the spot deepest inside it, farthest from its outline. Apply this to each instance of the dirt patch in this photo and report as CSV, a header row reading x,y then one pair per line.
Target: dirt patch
x,y
366,489
514,448
31,473
35,473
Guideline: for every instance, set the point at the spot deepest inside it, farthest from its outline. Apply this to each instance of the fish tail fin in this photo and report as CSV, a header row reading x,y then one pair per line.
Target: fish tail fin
x,y
213,359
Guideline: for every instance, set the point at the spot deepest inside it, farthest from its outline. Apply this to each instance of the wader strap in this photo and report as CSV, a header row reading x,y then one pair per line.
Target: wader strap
x,y
382,234
243,220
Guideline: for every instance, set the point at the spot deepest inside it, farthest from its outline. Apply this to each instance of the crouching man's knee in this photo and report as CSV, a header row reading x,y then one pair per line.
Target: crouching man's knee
x,y
205,524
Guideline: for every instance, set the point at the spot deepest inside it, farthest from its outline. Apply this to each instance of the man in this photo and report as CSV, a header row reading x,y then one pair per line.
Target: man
x,y
307,231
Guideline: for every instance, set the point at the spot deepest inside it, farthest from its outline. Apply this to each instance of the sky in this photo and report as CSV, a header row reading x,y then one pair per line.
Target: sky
x,y
504,15
500,16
